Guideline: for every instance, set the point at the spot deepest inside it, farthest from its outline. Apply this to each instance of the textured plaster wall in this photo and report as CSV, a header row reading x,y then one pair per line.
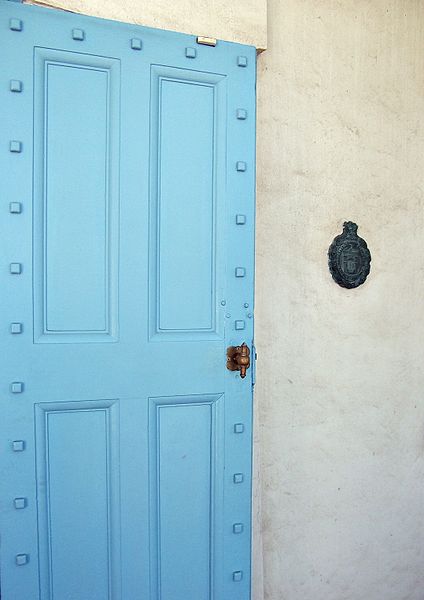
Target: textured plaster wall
x,y
340,375
242,21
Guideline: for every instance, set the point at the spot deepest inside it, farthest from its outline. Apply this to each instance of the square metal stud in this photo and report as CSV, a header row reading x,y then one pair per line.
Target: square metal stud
x,y
18,446
241,166
15,268
136,44
15,85
238,478
240,219
22,559
240,272
239,325
237,575
191,52
17,387
15,146
242,61
15,208
238,528
78,35
16,25
238,428
20,503
241,114
16,328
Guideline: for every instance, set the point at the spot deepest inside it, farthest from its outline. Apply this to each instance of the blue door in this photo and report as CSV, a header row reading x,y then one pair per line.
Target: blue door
x,y
126,257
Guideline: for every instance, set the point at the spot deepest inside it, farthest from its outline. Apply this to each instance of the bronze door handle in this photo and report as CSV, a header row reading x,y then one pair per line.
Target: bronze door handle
x,y
238,359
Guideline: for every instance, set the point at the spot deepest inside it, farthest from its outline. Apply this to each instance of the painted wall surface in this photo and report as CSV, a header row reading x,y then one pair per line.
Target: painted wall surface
x,y
242,21
340,375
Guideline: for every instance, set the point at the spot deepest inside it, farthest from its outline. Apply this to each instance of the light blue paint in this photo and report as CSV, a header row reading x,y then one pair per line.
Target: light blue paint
x,y
127,237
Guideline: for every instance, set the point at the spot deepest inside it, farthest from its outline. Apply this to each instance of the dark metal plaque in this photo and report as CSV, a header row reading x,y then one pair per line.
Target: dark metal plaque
x,y
349,259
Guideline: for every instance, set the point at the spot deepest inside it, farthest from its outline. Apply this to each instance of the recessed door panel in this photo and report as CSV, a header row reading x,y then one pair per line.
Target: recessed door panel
x,y
184,466
78,483
76,203
188,118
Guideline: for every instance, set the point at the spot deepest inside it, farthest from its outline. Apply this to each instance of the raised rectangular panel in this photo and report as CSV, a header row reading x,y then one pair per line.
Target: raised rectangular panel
x,y
78,499
187,201
76,203
185,495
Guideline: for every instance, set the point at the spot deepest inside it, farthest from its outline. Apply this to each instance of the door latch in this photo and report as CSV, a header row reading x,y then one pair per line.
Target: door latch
x,y
238,359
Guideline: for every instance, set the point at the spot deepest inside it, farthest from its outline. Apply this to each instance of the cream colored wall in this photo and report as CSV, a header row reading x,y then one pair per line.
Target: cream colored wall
x,y
340,375
242,21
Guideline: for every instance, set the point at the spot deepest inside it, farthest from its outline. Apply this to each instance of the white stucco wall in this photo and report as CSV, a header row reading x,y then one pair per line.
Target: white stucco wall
x,y
340,375
242,21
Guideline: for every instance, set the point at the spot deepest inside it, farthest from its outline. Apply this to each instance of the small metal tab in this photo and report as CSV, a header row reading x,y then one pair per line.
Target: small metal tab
x,y
238,528
239,428
242,61
22,559
136,44
15,268
237,575
20,503
238,478
15,146
240,272
18,446
17,387
241,166
241,114
16,328
239,325
78,35
240,219
206,41
15,85
191,52
15,208
16,25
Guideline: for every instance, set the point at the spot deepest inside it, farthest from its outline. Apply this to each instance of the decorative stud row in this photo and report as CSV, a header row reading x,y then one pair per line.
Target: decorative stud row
x,y
17,387
136,43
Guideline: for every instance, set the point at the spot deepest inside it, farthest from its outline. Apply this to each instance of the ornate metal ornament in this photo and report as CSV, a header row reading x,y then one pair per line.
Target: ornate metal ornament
x,y
349,259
